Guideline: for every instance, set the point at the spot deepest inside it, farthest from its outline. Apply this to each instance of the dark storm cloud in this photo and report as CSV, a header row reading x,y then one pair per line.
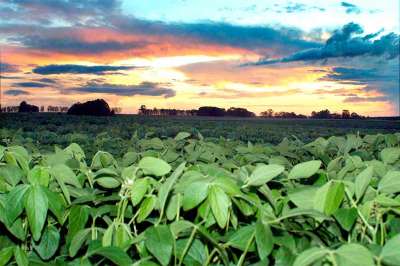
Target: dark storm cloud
x,y
77,69
356,76
344,43
8,68
282,40
248,37
72,44
47,80
383,79
145,88
350,8
16,92
30,84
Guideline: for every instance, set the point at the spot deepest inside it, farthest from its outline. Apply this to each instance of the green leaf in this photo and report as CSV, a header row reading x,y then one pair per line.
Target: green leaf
x,y
138,190
14,204
159,241
36,206
390,155
77,241
194,194
220,204
196,254
173,206
108,182
354,254
346,217
154,166
387,201
241,237
300,212
181,226
166,187
264,173
11,173
305,170
310,256
17,159
17,229
182,135
5,255
362,181
77,220
102,160
21,257
48,243
65,174
390,252
146,208
390,183
303,197
329,197
114,254
39,175
56,204
264,239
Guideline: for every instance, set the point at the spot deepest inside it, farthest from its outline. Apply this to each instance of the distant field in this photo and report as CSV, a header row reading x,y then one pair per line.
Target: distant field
x,y
111,133
131,189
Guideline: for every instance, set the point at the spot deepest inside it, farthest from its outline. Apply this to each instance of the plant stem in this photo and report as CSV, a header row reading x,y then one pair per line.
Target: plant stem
x,y
207,262
188,244
243,256
370,228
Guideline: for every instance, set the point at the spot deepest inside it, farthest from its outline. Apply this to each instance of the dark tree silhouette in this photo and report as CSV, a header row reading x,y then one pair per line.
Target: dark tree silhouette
x,y
288,115
24,107
97,107
268,113
239,112
211,111
165,112
346,114
326,114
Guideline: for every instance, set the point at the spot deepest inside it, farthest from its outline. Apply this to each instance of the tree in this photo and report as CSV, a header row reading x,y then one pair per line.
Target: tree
x,y
324,114
24,107
355,116
211,111
268,113
97,107
116,110
345,114
239,112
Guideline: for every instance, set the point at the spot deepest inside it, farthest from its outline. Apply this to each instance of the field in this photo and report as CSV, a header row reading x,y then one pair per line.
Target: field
x,y
130,190
40,132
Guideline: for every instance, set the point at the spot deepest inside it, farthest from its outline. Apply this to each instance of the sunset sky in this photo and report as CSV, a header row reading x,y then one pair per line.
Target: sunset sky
x,y
286,55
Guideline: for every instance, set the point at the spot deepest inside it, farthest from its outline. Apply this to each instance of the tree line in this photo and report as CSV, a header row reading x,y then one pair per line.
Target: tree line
x,y
243,112
202,111
323,114
100,107
97,107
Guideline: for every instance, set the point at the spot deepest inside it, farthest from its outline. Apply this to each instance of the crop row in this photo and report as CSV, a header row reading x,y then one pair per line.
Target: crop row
x,y
190,201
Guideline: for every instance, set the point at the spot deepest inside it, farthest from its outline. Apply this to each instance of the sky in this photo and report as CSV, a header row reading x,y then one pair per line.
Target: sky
x,y
296,56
